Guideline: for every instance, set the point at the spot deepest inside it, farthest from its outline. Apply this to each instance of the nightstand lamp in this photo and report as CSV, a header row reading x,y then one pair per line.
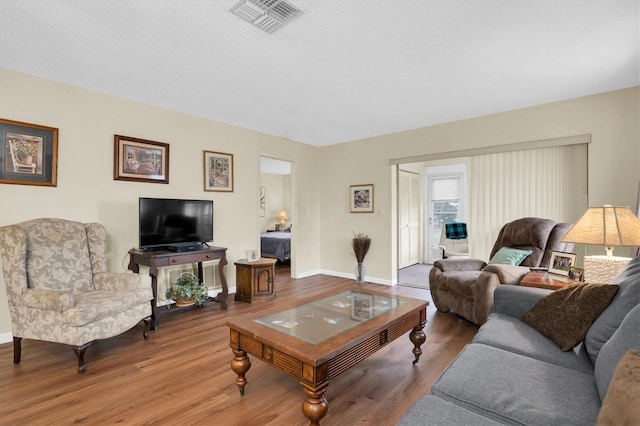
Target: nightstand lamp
x,y
282,217
607,226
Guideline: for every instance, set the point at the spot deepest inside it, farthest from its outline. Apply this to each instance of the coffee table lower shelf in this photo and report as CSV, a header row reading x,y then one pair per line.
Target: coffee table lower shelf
x,y
314,372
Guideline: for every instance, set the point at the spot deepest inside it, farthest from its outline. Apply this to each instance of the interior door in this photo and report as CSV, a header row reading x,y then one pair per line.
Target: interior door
x,y
443,205
409,218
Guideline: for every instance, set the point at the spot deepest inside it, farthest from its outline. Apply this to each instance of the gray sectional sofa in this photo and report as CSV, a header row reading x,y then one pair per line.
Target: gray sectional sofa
x,y
511,374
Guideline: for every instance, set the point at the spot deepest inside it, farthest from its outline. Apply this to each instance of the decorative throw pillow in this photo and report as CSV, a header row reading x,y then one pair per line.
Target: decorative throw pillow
x,y
510,256
565,315
620,406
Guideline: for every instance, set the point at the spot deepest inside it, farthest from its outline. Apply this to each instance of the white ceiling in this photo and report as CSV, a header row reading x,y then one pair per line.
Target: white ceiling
x,y
344,70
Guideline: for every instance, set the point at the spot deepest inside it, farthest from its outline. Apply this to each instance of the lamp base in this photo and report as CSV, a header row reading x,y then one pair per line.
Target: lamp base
x,y
602,269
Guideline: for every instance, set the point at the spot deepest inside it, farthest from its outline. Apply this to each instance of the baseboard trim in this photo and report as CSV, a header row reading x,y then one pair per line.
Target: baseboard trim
x,y
6,338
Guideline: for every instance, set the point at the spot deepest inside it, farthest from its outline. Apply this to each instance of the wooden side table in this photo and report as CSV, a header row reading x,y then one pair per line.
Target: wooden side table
x,y
542,279
255,280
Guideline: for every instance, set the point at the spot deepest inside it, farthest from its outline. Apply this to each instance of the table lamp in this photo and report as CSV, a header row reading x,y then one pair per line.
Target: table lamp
x,y
608,226
282,217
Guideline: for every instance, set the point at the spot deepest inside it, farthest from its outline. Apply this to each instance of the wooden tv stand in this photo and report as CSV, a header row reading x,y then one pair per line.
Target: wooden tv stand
x,y
163,258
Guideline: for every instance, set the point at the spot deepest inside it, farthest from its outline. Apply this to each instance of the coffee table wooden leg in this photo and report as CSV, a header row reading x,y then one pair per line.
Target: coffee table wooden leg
x,y
417,337
240,365
315,407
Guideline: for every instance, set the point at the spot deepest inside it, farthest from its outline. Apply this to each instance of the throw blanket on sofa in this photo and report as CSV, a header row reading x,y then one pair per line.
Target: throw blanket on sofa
x,y
456,230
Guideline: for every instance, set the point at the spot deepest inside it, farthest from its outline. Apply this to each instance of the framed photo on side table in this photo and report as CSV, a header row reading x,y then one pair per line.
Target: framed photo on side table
x,y
28,154
140,160
218,171
561,262
361,198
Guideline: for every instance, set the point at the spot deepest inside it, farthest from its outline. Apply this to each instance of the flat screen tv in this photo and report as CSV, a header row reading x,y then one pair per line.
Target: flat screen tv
x,y
173,224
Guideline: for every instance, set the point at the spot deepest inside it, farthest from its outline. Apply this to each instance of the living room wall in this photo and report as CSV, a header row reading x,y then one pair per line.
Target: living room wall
x,y
612,119
86,191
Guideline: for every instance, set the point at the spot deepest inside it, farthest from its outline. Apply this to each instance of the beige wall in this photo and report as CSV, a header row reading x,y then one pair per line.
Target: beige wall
x,y
86,190
611,118
277,197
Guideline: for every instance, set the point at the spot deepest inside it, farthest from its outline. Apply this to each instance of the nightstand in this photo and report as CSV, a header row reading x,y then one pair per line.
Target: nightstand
x,y
543,279
255,281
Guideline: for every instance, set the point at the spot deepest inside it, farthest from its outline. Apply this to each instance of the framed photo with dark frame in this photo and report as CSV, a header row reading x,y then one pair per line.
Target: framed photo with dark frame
x,y
140,160
361,198
561,262
29,154
218,171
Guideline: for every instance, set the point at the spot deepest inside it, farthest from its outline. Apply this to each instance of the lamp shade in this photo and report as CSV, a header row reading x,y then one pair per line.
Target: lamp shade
x,y
607,226
282,216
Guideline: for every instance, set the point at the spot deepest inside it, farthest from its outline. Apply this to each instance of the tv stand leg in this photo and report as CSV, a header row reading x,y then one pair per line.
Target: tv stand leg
x,y
222,296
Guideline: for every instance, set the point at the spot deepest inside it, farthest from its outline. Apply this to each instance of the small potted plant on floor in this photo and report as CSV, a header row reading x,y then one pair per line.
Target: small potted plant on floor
x,y
187,291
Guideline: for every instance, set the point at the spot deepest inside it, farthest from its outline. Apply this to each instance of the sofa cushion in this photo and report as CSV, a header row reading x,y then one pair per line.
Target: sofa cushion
x,y
515,389
509,333
565,315
627,297
620,406
431,410
509,256
626,337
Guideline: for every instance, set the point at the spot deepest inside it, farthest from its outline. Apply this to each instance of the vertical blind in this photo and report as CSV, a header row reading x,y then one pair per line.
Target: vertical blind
x,y
546,182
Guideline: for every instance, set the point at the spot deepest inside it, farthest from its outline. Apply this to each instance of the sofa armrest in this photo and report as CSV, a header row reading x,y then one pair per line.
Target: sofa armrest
x,y
459,264
50,300
515,300
116,281
507,274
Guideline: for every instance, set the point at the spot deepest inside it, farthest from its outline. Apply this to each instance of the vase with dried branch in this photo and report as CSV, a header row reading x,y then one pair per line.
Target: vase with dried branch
x,y
360,243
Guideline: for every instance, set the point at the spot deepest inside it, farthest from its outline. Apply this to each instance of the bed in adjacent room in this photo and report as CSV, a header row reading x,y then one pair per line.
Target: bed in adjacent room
x,y
276,245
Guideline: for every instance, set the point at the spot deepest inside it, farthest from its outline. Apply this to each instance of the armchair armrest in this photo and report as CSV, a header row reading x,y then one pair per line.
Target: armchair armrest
x,y
116,281
50,300
515,300
507,274
459,264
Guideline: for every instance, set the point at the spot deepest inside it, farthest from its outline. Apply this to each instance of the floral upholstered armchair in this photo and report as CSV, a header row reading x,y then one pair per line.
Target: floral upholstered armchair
x,y
59,290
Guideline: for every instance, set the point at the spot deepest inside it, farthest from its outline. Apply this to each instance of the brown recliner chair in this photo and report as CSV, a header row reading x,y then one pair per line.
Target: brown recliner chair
x,y
466,286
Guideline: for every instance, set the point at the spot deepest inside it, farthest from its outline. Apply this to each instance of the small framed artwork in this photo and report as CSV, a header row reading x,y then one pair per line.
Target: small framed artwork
x,y
140,160
252,255
262,201
576,274
361,198
362,307
29,154
218,171
561,262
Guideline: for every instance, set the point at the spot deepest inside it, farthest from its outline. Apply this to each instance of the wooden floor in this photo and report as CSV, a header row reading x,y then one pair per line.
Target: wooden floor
x,y
181,375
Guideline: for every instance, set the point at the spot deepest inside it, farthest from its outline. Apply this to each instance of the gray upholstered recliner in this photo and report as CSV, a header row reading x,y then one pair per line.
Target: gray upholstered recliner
x,y
59,290
466,286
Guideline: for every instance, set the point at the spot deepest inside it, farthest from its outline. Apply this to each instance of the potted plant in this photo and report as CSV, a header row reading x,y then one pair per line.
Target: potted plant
x,y
187,290
360,243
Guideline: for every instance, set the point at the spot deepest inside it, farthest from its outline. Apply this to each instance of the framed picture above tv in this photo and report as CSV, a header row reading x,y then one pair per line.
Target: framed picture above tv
x,y
140,160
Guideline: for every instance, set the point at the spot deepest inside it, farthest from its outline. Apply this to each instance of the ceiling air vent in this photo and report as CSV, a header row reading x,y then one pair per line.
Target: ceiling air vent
x,y
268,15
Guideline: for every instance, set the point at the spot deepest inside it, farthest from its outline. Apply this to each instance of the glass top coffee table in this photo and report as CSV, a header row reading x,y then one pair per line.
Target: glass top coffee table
x,y
316,341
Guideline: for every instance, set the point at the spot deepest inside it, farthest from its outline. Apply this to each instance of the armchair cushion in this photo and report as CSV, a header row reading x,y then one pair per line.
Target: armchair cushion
x,y
98,304
510,256
565,315
507,274
52,300
116,281
459,264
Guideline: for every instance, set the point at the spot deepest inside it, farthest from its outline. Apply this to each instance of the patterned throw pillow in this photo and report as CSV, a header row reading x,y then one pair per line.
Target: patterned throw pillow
x,y
565,315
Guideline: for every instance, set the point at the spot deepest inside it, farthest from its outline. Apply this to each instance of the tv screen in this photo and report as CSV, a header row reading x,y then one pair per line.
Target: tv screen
x,y
175,224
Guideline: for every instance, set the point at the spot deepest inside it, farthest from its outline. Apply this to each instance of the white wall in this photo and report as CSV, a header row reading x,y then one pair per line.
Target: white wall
x,y
323,225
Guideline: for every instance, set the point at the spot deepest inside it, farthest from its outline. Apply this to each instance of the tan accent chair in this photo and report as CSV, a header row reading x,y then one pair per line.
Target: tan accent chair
x,y
453,248
466,286
59,290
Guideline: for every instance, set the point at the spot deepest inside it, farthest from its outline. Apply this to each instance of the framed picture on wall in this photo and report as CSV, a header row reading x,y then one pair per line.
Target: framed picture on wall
x,y
218,171
361,198
140,160
29,153
561,262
